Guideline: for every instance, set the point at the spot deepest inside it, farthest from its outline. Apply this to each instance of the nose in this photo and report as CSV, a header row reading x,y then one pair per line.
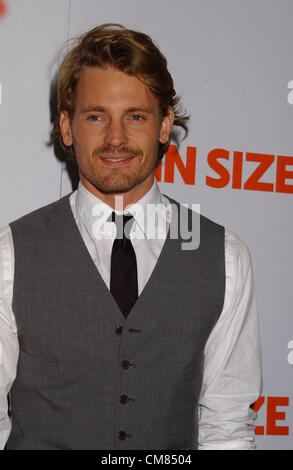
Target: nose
x,y
116,133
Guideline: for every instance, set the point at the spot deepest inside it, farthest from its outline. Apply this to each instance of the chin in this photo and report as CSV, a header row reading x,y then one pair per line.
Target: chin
x,y
116,186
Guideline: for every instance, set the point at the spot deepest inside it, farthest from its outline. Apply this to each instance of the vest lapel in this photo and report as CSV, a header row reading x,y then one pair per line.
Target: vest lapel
x,y
118,317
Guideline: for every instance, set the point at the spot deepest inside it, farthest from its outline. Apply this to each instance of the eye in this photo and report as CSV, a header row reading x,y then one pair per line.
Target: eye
x,y
137,117
94,117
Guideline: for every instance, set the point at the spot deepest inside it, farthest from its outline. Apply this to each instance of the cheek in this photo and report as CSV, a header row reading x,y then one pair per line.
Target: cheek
x,y
148,140
84,141
150,152
81,135
81,130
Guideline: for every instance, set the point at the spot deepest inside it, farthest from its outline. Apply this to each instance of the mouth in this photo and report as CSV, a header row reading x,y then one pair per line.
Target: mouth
x,y
116,160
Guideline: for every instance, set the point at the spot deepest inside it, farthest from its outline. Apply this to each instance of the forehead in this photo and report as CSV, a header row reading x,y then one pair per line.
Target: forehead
x,y
110,87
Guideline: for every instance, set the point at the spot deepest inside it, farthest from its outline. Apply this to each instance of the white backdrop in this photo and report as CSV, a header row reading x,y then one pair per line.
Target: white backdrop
x,y
232,63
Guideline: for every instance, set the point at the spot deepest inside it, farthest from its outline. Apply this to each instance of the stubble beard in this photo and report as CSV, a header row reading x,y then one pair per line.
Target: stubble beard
x,y
120,180
118,183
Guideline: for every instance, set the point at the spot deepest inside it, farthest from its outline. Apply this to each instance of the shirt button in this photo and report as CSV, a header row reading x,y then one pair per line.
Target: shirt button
x,y
122,435
119,330
123,399
125,364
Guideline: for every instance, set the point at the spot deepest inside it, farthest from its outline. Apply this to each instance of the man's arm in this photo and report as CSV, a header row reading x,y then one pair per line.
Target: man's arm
x,y
232,374
8,334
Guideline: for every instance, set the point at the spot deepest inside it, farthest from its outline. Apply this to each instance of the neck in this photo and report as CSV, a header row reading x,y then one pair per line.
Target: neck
x,y
120,201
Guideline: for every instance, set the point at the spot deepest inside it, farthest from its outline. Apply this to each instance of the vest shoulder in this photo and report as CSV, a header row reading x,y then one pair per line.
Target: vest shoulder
x,y
34,220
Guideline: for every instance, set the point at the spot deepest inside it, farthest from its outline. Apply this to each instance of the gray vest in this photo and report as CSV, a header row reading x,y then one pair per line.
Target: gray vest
x,y
87,378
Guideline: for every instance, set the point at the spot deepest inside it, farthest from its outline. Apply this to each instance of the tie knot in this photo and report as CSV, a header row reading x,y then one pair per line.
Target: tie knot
x,y
123,224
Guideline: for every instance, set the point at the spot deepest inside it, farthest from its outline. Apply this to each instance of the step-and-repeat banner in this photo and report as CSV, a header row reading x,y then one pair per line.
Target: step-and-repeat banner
x,y
232,63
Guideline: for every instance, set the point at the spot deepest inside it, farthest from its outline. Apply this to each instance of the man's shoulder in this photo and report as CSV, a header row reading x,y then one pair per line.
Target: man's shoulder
x,y
5,242
236,248
35,218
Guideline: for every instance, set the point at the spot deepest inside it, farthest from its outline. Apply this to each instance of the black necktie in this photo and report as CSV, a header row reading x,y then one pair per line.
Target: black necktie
x,y
123,281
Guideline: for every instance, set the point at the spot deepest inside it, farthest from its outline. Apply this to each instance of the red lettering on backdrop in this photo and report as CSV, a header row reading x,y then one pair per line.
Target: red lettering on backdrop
x,y
187,170
237,170
282,174
224,179
265,162
272,415
3,9
173,158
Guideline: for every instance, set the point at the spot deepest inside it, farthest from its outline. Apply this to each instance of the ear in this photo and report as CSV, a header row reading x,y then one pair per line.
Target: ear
x,y
166,126
65,128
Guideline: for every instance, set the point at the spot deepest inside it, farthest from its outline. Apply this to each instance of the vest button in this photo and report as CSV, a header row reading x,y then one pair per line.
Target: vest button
x,y
119,330
123,399
125,364
122,435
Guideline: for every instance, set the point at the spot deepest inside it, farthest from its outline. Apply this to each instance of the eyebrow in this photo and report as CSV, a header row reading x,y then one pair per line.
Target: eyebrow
x,y
141,109
101,109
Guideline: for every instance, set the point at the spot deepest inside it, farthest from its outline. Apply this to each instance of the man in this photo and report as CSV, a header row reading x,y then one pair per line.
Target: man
x,y
131,341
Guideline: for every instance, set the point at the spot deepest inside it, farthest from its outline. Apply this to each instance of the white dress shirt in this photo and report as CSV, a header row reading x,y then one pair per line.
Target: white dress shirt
x,y
232,370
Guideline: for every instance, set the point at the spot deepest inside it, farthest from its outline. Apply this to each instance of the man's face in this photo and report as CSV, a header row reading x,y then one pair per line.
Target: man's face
x,y
115,131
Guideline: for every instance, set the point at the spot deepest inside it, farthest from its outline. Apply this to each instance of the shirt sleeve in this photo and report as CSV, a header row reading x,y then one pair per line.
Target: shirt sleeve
x,y
8,333
232,378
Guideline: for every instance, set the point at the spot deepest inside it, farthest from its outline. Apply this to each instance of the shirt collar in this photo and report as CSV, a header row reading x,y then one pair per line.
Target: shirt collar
x,y
89,208
151,208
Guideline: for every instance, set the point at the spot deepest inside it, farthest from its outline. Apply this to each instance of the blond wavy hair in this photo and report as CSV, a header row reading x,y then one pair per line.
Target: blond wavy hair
x,y
129,51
